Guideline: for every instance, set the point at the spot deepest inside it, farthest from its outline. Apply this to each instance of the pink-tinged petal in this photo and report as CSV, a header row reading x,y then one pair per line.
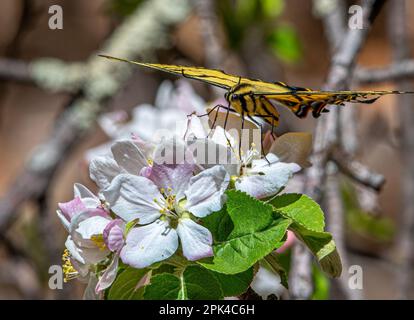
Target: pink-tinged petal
x,y
109,275
132,197
291,238
266,181
102,170
172,176
128,156
146,172
113,235
196,240
149,244
88,198
72,208
206,191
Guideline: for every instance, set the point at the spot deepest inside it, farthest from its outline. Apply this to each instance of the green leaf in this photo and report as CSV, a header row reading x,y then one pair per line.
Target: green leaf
x,y
195,283
256,232
273,263
164,268
220,224
164,286
301,209
125,285
308,225
201,284
235,284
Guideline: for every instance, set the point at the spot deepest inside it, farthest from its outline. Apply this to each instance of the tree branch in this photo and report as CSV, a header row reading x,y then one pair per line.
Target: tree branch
x,y
357,171
399,38
398,70
326,133
143,32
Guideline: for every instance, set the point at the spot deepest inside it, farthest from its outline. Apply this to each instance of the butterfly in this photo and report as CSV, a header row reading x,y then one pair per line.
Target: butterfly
x,y
252,98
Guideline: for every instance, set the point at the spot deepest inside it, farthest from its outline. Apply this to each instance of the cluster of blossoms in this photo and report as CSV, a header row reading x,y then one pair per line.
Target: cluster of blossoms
x,y
153,193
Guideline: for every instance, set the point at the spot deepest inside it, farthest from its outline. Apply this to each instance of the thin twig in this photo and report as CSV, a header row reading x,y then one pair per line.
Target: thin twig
x,y
357,171
398,70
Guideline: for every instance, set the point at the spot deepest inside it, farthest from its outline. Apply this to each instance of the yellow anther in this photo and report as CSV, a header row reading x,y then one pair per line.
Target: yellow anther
x,y
98,240
69,272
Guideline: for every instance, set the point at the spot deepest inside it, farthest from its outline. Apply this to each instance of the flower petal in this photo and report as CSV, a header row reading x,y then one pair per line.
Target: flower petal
x,y
196,240
72,208
172,176
83,257
172,151
102,170
206,191
85,228
109,275
73,250
133,197
128,156
260,163
79,190
149,244
65,222
266,283
293,147
266,181
88,198
113,235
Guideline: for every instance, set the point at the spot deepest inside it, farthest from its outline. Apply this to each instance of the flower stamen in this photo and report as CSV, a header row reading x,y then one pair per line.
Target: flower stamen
x,y
69,272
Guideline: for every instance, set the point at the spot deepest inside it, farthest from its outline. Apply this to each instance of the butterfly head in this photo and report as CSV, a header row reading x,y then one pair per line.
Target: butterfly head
x,y
231,96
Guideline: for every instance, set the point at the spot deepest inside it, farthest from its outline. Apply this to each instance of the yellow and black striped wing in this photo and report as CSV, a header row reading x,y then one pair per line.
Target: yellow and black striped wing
x,y
214,77
301,102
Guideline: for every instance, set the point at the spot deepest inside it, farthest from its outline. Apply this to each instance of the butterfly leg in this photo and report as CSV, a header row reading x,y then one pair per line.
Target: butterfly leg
x,y
225,125
219,106
208,113
241,134
261,135
273,129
